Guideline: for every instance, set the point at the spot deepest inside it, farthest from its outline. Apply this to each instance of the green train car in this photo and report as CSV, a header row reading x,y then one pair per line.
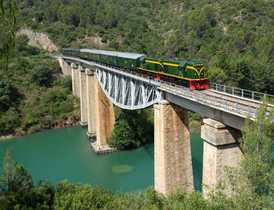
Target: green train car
x,y
190,74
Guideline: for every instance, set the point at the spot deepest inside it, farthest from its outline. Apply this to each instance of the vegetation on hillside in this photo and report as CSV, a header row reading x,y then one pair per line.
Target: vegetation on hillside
x,y
8,30
235,38
33,95
252,184
132,129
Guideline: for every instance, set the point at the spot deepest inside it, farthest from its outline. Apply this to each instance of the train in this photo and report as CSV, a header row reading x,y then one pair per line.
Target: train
x,y
188,73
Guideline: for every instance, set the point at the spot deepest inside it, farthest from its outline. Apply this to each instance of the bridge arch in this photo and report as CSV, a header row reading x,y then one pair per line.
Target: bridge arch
x,y
127,93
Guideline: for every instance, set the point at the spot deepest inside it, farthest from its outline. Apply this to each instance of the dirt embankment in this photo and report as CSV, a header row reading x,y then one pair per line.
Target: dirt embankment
x,y
40,40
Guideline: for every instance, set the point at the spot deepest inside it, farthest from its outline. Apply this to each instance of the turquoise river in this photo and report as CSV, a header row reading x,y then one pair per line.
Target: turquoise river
x,y
65,154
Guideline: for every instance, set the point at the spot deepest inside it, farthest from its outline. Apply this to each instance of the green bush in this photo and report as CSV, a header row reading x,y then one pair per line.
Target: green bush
x,y
17,190
9,120
42,75
9,95
132,129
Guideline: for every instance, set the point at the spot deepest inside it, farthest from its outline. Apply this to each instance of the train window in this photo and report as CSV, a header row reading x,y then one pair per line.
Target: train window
x,y
142,60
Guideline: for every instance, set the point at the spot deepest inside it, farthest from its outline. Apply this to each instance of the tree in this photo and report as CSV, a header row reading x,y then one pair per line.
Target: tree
x,y
9,120
8,95
15,178
132,129
17,190
8,29
252,184
76,196
124,136
8,172
258,146
42,75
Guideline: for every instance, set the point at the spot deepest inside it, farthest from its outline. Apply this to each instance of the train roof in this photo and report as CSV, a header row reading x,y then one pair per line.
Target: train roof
x,y
176,60
114,53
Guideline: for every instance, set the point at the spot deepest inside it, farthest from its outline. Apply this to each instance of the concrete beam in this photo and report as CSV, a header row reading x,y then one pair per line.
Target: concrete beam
x,y
91,109
226,118
83,97
221,150
172,149
217,134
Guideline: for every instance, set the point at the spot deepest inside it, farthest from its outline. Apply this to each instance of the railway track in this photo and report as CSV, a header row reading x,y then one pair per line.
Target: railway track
x,y
241,100
217,99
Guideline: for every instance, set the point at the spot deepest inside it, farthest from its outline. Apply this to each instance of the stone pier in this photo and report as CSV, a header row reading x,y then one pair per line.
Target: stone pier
x,y
105,120
221,149
75,80
83,97
172,149
91,109
65,67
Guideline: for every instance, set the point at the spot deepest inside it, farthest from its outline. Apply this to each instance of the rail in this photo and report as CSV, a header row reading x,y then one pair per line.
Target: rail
x,y
243,93
215,102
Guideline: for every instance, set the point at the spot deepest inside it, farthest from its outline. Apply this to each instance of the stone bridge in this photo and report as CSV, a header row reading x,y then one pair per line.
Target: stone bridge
x,y
99,87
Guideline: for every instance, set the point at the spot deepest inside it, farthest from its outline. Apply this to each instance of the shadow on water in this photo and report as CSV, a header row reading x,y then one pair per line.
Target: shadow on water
x,y
197,160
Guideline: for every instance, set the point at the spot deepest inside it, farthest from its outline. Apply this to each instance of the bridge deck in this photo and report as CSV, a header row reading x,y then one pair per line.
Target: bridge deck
x,y
216,101
236,99
233,104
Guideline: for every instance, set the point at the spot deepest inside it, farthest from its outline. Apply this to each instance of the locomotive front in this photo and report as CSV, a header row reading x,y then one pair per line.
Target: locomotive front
x,y
196,74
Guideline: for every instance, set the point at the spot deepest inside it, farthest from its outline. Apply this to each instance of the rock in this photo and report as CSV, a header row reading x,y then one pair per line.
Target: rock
x,y
39,40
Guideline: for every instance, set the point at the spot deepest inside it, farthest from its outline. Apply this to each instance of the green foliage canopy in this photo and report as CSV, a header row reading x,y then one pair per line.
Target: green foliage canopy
x,y
132,129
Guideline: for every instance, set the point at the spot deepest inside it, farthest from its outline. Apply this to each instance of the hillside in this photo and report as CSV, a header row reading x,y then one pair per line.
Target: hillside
x,y
235,39
33,93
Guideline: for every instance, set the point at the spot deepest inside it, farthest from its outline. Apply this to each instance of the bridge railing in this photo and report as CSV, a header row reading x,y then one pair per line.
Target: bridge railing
x,y
221,103
244,93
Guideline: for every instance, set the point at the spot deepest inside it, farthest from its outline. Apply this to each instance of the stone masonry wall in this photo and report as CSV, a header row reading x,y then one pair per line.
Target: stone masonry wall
x,y
105,117
173,163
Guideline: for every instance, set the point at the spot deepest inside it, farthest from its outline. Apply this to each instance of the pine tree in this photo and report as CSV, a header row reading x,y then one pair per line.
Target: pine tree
x,y
8,30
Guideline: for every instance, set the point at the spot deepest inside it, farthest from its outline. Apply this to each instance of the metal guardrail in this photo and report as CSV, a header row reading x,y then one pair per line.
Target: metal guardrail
x,y
243,93
212,101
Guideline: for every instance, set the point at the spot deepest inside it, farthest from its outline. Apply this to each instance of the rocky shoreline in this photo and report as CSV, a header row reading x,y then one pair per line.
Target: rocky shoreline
x,y
67,123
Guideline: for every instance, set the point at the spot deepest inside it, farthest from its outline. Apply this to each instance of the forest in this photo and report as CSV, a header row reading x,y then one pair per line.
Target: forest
x,y
235,38
33,95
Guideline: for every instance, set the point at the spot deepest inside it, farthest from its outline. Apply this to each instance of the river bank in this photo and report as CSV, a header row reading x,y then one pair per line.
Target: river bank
x,y
66,123
195,127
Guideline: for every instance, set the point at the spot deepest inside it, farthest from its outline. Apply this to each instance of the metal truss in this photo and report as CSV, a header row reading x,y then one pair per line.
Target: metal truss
x,y
127,93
